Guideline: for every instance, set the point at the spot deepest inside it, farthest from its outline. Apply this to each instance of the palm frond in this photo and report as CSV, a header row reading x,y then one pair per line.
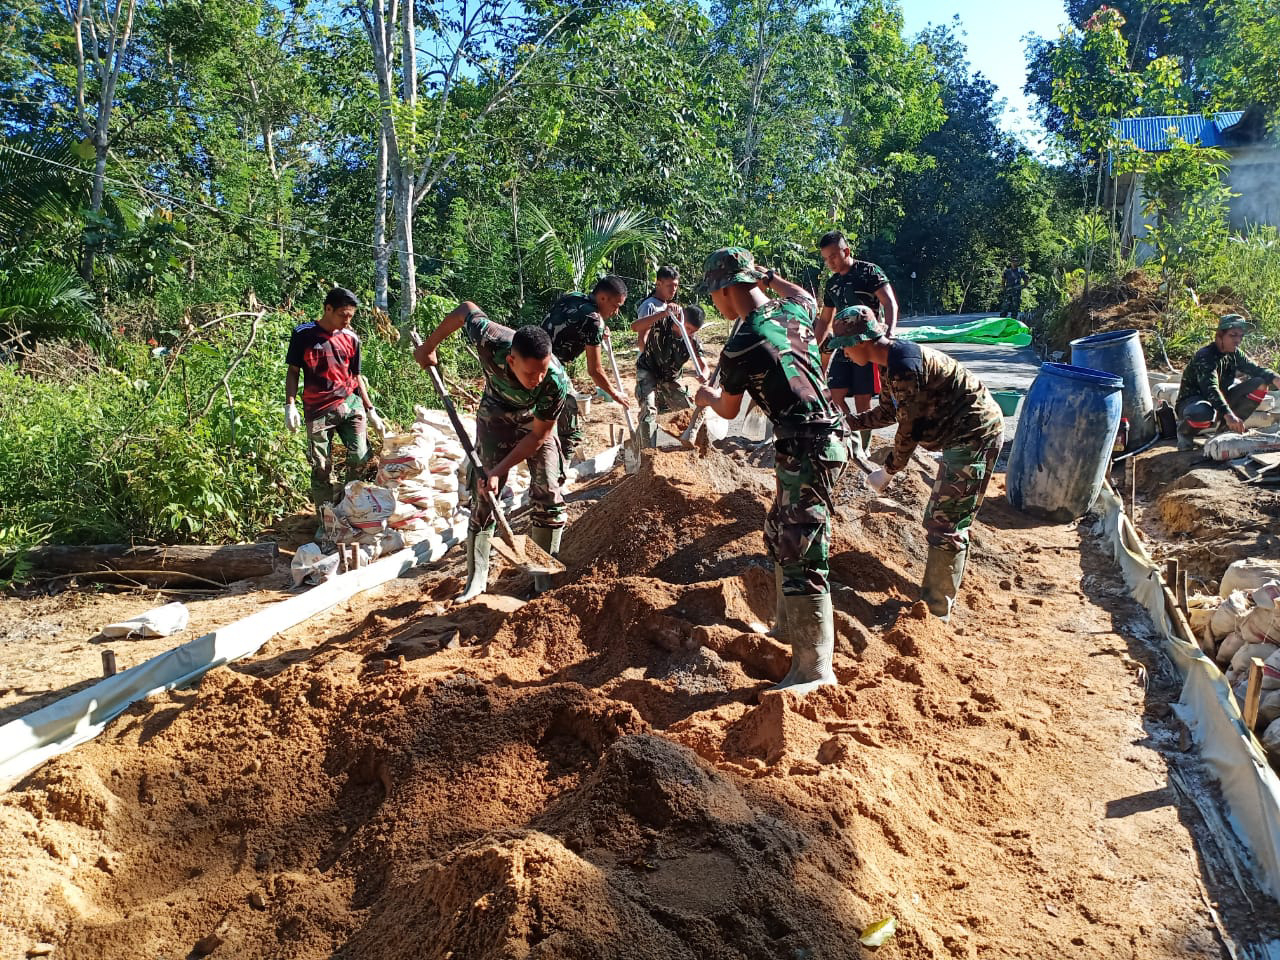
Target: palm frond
x,y
49,301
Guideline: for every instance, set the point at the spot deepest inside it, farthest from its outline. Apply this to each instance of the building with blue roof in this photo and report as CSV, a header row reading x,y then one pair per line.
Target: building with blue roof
x,y
1254,166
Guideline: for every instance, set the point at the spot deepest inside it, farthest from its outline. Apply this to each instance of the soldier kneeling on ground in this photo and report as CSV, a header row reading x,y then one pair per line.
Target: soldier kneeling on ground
x,y
941,406
1209,393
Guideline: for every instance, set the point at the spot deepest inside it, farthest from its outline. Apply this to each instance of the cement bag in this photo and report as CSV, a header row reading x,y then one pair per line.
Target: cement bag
x,y
1248,574
1230,612
1240,662
159,622
410,516
405,455
1271,739
1267,596
1229,647
312,564
444,482
1260,627
336,528
366,507
1271,673
1268,708
1231,446
1200,610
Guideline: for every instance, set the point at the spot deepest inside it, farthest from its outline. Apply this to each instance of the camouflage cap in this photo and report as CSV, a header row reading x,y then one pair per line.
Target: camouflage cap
x,y
855,325
727,266
1233,321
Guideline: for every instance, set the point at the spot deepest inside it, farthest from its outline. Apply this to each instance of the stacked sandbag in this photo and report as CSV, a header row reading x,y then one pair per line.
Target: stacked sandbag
x,y
1254,618
422,469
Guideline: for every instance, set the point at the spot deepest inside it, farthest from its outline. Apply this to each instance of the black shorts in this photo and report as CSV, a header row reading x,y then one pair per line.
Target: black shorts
x,y
858,379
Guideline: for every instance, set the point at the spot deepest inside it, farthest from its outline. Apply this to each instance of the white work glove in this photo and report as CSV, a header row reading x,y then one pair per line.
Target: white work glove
x,y
376,421
878,480
292,419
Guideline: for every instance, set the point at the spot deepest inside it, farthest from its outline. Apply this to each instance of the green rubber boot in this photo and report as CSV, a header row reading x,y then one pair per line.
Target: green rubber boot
x,y
865,437
478,546
943,571
813,640
548,538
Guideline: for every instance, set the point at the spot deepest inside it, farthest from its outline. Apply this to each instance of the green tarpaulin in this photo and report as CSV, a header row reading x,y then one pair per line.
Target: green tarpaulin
x,y
984,330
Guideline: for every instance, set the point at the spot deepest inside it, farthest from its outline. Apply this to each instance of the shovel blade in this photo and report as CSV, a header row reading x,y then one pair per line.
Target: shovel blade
x,y
522,552
688,439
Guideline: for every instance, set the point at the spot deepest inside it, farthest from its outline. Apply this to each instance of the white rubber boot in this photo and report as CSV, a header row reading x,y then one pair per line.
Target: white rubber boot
x,y
943,571
478,546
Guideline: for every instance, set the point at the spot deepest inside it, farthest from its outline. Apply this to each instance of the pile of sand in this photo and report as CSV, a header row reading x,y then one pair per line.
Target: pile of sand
x,y
595,773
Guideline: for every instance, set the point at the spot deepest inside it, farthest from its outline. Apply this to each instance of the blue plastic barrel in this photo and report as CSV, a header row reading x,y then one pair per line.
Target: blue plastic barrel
x,y
1063,445
1120,353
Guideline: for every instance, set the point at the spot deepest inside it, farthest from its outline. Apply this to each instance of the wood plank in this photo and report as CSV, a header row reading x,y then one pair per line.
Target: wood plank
x,y
1253,692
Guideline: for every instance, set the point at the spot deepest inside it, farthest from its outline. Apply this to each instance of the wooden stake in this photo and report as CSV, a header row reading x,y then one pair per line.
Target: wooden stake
x,y
108,663
1133,491
1177,582
1253,692
1184,590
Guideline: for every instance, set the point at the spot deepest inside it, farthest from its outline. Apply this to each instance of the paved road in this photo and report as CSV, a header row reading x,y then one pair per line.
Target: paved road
x,y
999,366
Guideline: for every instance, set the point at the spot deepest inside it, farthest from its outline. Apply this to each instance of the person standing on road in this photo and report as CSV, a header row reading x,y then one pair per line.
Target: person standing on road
x,y
525,389
774,356
1209,393
326,352
941,406
1012,281
852,283
576,324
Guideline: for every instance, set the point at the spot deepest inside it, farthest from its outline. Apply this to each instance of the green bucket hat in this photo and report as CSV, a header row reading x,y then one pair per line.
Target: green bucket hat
x,y
854,325
1233,321
727,266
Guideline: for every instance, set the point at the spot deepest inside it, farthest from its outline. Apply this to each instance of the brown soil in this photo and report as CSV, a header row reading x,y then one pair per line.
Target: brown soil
x,y
1202,514
600,772
1133,302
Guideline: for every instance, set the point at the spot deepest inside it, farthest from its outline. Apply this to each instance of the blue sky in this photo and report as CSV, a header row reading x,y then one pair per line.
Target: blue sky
x,y
993,32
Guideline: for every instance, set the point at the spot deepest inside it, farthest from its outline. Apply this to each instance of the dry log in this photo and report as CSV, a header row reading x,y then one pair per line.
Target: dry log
x,y
158,564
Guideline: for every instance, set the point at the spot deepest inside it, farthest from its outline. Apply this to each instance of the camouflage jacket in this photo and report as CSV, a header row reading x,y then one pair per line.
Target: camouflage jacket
x,y
1013,278
573,323
936,403
1211,373
855,287
493,342
774,357
664,353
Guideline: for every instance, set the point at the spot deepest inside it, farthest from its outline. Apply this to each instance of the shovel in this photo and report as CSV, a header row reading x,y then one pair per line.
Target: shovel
x,y
631,448
688,439
518,550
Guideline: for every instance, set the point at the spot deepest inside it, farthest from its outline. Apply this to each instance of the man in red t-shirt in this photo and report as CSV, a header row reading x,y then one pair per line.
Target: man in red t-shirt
x,y
327,352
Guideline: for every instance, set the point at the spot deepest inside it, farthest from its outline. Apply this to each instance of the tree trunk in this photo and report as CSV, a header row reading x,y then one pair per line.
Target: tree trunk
x,y
406,179
381,249
225,563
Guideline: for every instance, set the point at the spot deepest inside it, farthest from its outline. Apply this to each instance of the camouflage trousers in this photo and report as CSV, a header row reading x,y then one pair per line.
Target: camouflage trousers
x,y
570,427
1011,302
655,393
497,433
347,421
958,490
797,529
1197,414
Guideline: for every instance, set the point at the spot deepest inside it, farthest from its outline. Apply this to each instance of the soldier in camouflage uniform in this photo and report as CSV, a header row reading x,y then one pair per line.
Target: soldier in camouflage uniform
x,y
1012,281
1209,391
852,283
774,356
576,325
939,405
524,395
660,363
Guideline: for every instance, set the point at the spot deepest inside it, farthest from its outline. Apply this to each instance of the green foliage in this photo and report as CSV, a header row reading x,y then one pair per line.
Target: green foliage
x,y
576,263
1187,197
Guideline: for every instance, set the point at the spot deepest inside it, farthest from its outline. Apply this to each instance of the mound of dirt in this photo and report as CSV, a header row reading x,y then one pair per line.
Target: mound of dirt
x,y
1133,302
602,773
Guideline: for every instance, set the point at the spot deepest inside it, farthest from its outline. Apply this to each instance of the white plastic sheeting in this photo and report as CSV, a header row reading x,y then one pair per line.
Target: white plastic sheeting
x,y
1207,707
